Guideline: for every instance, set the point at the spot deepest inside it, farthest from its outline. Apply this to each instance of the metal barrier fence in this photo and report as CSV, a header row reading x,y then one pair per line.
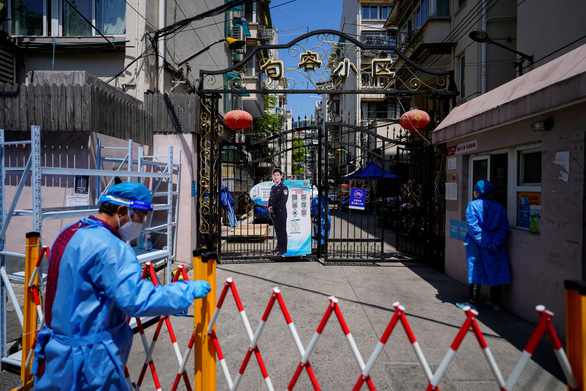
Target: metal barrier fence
x,y
470,324
206,345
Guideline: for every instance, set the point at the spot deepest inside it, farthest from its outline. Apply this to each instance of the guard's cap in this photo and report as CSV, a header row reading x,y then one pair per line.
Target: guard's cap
x,y
484,188
132,194
277,170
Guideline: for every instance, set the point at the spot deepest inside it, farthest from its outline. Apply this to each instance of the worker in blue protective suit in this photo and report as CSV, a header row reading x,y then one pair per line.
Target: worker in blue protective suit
x,y
94,283
320,207
487,261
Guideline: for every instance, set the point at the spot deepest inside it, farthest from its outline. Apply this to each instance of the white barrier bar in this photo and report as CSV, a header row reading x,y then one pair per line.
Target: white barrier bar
x,y
512,380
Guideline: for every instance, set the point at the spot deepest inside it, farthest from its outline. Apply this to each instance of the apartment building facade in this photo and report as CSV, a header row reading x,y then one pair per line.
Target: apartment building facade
x,y
131,50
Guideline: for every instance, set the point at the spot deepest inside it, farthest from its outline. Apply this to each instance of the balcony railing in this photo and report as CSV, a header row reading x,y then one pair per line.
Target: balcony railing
x,y
407,39
378,40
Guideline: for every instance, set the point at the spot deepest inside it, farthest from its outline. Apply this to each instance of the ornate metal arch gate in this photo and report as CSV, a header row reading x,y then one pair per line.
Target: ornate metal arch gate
x,y
328,67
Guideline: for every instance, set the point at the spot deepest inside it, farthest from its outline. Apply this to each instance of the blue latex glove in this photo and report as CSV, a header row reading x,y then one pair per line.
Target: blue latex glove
x,y
200,288
491,247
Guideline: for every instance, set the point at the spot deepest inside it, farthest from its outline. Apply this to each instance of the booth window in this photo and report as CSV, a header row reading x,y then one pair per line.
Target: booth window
x,y
491,167
528,188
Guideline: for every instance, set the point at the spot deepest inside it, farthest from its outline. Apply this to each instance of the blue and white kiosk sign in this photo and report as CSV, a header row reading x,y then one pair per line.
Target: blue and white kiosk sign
x,y
298,213
357,198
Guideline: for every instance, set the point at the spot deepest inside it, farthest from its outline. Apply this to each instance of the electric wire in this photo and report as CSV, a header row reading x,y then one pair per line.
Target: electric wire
x,y
177,26
555,51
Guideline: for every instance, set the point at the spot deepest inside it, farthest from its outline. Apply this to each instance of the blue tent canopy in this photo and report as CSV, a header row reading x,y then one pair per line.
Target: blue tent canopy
x,y
371,171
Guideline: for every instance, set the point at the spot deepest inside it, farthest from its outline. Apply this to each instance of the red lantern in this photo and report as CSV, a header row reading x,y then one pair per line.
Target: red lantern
x,y
237,119
414,120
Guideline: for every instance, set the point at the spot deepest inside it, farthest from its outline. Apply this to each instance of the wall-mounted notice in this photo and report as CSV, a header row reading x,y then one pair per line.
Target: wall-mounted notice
x,y
452,191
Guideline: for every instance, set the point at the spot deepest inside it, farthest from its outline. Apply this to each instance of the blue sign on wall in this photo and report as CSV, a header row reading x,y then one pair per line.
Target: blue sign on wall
x,y
357,198
463,230
454,229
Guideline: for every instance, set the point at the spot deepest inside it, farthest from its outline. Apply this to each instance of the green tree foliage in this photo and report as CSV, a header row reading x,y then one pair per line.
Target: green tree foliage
x,y
266,126
299,156
269,123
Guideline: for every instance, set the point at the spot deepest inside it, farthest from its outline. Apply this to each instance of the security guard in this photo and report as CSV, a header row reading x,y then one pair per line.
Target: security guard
x,y
278,208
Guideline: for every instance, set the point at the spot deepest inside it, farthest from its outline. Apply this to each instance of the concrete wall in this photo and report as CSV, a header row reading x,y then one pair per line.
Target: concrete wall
x,y
500,24
545,27
186,231
539,263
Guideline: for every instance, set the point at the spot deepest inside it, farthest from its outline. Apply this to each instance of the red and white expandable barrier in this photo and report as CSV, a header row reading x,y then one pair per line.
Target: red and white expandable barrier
x,y
182,373
399,315
470,322
149,349
544,326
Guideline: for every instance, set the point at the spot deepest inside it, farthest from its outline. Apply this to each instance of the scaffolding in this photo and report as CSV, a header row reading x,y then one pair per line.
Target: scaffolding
x,y
158,170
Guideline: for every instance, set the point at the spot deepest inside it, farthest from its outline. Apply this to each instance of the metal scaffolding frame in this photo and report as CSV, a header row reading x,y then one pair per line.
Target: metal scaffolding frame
x,y
160,169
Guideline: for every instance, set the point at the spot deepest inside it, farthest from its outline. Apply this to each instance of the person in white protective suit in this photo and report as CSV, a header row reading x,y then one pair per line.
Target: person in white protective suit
x,y
94,283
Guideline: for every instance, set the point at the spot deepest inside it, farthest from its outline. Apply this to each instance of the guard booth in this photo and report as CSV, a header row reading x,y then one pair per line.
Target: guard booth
x,y
346,158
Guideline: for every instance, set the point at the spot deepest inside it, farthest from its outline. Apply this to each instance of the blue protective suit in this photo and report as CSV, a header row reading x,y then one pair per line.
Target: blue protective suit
x,y
326,221
228,206
487,228
99,285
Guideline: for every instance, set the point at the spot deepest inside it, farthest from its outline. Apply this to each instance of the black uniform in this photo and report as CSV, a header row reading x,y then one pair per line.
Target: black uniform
x,y
278,200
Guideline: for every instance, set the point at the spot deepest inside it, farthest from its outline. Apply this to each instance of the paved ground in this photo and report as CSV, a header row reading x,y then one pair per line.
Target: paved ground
x,y
366,295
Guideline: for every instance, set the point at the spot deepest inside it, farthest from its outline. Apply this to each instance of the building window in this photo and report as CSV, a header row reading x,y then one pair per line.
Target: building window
x,y
422,13
61,19
374,110
27,17
368,82
442,8
462,69
375,12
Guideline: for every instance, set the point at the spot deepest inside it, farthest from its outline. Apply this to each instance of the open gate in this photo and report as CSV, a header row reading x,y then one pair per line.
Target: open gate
x,y
399,177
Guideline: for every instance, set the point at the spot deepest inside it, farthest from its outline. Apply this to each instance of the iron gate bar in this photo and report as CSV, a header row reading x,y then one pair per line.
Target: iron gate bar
x,y
285,132
448,94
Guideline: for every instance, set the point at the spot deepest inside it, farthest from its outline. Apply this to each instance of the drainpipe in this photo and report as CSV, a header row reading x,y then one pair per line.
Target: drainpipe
x,y
161,47
483,51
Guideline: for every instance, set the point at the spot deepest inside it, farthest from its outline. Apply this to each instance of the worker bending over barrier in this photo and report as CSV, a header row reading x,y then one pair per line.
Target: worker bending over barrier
x,y
93,284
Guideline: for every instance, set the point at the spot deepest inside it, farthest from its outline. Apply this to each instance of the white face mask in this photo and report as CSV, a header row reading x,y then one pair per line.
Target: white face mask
x,y
130,230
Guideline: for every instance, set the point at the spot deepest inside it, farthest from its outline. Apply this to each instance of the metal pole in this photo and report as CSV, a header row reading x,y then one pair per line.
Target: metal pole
x,y
326,168
98,167
3,350
169,214
382,235
36,177
30,314
319,183
204,268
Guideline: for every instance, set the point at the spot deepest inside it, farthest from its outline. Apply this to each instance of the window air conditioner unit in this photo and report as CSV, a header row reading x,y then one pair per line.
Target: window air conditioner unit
x,y
238,33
